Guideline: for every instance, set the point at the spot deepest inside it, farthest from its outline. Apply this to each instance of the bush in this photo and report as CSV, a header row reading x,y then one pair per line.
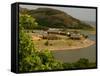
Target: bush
x,y
46,43
27,22
82,63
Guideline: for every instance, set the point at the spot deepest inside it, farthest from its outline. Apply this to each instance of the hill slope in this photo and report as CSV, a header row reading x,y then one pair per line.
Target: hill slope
x,y
48,17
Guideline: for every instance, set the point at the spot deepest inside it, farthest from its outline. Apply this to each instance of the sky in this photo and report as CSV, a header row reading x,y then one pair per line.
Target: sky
x,y
84,14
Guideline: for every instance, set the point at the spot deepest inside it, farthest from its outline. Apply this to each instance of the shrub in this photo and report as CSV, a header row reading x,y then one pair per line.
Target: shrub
x,y
46,43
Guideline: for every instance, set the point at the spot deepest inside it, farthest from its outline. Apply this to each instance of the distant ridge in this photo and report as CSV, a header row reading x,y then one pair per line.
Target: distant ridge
x,y
53,18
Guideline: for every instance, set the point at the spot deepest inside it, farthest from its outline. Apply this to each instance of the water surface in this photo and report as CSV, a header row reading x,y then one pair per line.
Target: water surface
x,y
75,54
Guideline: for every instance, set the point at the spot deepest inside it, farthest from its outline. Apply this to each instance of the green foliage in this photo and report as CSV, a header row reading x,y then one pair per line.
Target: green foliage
x,y
31,59
27,22
49,61
27,52
28,56
68,65
82,63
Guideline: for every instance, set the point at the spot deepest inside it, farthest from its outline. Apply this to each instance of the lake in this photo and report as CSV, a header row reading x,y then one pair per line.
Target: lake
x,y
74,55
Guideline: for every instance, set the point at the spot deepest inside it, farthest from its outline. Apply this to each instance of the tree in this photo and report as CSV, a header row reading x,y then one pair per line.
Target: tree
x,y
27,22
28,56
31,59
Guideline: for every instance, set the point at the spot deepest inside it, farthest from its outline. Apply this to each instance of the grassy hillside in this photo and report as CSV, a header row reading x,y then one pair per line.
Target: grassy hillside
x,y
48,17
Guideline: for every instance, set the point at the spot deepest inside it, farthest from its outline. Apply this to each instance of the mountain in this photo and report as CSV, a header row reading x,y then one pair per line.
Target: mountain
x,y
53,18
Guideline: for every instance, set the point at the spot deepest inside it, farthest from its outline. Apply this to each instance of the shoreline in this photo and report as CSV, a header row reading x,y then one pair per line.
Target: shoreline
x,y
73,48
81,44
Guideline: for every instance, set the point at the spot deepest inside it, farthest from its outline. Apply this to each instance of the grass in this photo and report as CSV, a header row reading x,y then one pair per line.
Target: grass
x,y
54,44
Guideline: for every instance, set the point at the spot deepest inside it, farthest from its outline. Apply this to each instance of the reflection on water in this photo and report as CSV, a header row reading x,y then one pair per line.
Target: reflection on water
x,y
74,55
